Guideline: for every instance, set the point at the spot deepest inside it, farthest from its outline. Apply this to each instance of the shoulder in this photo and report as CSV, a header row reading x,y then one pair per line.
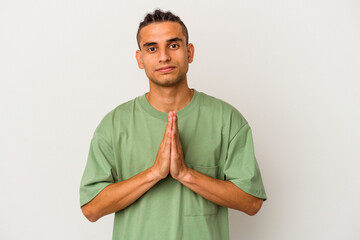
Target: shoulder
x,y
223,109
215,103
119,114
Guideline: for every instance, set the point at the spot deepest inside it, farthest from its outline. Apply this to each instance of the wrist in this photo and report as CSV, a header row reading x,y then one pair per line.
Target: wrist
x,y
184,175
154,174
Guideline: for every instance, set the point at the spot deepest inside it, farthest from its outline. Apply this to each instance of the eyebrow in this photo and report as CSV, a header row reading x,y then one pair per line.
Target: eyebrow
x,y
176,39
149,44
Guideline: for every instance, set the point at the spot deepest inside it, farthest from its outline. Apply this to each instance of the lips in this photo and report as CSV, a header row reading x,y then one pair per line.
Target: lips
x,y
165,69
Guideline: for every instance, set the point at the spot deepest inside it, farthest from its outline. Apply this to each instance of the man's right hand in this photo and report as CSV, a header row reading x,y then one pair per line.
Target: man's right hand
x,y
161,167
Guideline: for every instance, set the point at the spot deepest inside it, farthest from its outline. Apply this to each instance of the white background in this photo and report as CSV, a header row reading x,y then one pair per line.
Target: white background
x,y
290,67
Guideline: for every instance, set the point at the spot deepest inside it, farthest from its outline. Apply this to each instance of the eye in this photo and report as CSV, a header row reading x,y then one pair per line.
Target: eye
x,y
174,46
151,49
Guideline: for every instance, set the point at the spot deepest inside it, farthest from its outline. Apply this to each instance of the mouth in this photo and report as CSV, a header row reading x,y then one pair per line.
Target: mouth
x,y
165,69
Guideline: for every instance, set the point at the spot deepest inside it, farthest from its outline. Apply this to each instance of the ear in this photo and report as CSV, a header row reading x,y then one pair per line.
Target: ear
x,y
139,59
190,52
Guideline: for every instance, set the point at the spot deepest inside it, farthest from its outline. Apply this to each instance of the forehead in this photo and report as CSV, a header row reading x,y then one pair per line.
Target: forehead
x,y
157,32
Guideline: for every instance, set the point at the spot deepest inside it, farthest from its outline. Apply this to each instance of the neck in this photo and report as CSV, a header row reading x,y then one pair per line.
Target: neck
x,y
166,99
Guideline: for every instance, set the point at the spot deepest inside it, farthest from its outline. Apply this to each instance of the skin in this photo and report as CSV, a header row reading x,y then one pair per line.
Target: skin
x,y
164,45
165,57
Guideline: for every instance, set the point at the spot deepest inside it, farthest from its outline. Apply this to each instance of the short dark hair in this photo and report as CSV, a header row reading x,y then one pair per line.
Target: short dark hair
x,y
160,16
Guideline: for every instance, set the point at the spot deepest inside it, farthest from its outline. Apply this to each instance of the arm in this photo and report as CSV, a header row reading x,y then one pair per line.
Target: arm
x,y
221,192
118,196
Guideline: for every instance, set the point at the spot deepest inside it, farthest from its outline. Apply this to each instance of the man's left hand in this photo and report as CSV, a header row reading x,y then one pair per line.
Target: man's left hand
x,y
178,169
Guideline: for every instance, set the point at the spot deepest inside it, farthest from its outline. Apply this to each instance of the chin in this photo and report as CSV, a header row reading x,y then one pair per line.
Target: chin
x,y
166,83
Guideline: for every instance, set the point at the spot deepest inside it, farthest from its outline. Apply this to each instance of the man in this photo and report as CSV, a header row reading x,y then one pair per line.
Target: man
x,y
169,163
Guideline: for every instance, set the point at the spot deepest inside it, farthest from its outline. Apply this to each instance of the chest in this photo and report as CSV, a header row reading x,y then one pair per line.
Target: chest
x,y
204,145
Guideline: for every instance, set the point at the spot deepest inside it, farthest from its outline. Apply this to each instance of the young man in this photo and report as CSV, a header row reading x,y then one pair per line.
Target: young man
x,y
169,163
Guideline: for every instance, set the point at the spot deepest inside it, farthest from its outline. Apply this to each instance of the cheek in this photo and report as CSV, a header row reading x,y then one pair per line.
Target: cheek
x,y
184,58
147,71
148,68
147,62
184,63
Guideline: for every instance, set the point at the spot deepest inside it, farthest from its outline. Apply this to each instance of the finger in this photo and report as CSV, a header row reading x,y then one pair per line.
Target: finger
x,y
167,141
177,123
173,129
174,123
177,133
167,132
178,143
174,134
168,124
173,141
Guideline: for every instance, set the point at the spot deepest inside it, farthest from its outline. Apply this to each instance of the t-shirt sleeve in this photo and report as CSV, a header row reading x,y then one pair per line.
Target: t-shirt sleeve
x,y
98,171
241,167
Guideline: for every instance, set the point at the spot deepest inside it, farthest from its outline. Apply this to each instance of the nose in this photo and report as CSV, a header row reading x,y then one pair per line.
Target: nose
x,y
164,55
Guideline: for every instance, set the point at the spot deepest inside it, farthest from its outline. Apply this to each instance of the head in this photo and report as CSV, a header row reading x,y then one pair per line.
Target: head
x,y
164,52
159,16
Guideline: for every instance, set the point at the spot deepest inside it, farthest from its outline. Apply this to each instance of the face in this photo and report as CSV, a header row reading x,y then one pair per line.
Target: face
x,y
164,55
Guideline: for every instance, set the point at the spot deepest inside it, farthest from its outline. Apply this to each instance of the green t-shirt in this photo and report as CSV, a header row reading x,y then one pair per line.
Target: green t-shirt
x,y
216,141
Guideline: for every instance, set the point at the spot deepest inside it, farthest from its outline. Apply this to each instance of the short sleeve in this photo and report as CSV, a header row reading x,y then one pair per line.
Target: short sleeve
x,y
241,167
98,171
